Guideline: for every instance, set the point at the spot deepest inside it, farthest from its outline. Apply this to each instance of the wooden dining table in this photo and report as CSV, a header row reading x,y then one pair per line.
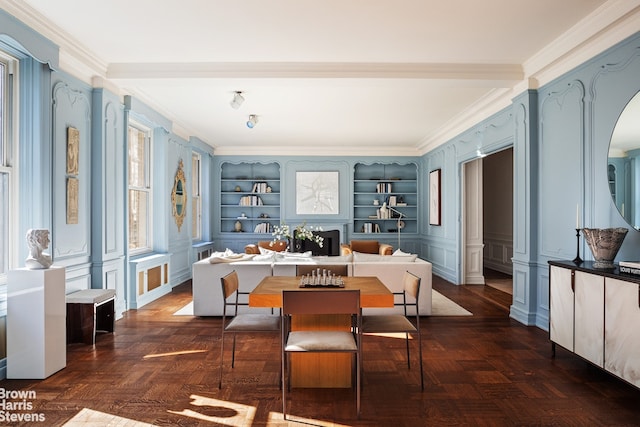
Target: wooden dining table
x,y
320,370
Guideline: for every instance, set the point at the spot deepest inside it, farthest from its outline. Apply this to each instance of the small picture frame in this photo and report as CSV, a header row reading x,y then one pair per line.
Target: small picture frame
x,y
73,150
72,200
434,197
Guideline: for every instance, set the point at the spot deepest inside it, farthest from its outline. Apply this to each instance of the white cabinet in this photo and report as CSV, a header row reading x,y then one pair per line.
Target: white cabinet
x,y
589,317
561,307
622,334
36,323
595,314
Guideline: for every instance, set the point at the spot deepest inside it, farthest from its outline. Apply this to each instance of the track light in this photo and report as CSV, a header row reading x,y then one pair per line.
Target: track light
x,y
253,120
237,100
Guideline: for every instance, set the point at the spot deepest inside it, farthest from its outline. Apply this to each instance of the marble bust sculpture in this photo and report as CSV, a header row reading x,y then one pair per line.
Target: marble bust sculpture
x,y
38,241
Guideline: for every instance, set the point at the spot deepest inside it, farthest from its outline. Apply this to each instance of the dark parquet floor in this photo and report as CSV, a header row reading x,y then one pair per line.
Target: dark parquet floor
x,y
480,370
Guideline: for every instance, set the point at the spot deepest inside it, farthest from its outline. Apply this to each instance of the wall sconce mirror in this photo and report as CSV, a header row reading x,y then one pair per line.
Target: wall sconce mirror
x,y
179,196
623,165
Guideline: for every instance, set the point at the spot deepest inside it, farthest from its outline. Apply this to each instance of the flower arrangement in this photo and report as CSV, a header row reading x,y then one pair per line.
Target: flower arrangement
x,y
300,232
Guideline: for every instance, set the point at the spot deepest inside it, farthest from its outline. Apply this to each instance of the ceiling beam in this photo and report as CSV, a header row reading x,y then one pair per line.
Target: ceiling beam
x,y
505,73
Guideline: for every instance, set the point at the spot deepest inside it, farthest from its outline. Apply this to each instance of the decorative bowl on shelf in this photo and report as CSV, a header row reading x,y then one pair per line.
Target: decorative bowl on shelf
x,y
604,244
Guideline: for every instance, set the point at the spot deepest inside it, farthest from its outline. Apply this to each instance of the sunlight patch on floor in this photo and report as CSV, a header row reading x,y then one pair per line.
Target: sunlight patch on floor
x,y
389,335
236,414
276,420
231,414
90,418
173,353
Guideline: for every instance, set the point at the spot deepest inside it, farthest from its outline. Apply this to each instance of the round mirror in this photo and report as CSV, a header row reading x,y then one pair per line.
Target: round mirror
x,y
623,163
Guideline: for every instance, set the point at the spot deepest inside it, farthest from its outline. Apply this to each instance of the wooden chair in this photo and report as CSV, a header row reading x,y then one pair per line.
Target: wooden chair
x,y
240,323
338,270
398,323
320,302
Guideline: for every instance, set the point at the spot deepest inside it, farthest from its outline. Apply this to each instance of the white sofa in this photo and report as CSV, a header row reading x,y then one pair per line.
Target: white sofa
x,y
207,293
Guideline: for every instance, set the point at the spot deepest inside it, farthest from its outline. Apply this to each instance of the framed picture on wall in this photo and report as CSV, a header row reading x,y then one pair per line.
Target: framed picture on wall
x,y
73,148
317,193
434,197
72,200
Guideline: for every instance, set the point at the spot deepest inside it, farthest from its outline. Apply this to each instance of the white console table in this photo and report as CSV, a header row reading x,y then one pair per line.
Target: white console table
x,y
36,323
595,313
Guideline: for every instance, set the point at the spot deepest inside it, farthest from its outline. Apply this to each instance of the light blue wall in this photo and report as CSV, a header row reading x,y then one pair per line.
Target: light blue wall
x,y
441,244
71,243
108,196
560,134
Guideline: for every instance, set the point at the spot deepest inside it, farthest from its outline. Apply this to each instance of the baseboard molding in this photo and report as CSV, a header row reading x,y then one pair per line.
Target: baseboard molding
x,y
497,266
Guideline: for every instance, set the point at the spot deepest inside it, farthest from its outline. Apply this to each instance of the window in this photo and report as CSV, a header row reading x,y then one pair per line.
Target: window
x,y
139,189
8,68
196,201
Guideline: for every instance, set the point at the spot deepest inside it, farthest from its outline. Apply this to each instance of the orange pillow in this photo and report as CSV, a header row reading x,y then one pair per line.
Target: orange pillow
x,y
277,246
365,246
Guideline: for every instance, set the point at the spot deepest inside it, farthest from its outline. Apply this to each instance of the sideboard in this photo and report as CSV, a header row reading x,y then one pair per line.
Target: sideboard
x,y
595,314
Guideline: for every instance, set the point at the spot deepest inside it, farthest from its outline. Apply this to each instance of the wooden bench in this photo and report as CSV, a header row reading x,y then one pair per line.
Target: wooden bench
x,y
90,311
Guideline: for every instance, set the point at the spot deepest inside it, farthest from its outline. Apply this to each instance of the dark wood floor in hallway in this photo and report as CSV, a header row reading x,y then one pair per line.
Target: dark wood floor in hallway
x,y
480,370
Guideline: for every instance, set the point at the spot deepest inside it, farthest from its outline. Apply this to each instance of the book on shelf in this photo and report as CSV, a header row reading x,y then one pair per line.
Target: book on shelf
x,y
630,267
630,264
370,227
383,187
250,201
259,187
263,227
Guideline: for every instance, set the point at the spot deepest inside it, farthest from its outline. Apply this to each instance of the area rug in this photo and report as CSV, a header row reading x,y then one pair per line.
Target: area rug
x,y
187,310
88,417
440,306
443,306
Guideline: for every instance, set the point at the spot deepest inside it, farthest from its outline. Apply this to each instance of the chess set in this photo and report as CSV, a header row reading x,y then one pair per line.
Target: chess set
x,y
321,278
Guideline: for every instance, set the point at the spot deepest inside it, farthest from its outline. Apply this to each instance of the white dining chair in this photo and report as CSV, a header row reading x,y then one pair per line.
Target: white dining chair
x,y
400,323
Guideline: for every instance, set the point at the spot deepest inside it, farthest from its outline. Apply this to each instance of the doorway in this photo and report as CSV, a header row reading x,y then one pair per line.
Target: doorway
x,y
487,226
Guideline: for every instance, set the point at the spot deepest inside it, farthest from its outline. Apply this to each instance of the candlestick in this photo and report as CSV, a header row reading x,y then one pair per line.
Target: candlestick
x,y
577,259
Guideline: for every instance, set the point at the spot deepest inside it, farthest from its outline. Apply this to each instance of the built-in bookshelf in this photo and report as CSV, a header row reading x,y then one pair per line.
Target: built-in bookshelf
x,y
392,183
249,197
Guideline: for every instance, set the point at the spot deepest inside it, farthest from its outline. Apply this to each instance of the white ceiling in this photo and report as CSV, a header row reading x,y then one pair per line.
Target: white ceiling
x,y
335,77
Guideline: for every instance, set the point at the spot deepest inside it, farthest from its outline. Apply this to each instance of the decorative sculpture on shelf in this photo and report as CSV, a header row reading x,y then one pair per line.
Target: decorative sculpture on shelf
x,y
38,241
604,244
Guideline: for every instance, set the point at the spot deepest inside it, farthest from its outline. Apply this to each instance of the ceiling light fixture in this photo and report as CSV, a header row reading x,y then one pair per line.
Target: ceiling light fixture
x,y
253,120
237,100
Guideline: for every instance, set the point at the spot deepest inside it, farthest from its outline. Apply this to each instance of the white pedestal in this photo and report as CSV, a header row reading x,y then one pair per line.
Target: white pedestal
x,y
36,323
